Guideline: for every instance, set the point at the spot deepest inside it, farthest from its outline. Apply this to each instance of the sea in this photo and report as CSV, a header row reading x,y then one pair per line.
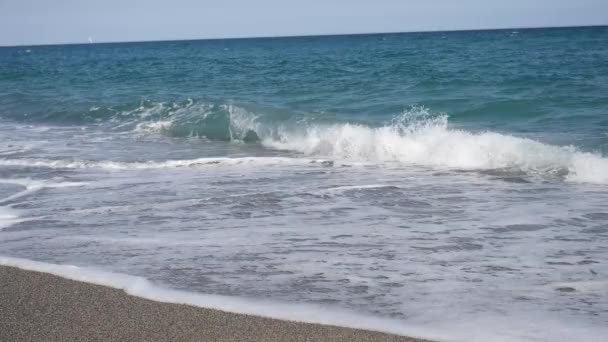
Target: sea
x,y
448,185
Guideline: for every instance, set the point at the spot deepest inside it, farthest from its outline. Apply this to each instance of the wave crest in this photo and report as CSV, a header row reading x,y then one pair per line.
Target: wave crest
x,y
191,119
415,137
420,138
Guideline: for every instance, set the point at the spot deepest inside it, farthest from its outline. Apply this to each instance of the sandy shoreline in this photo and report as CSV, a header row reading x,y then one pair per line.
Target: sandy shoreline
x,y
37,306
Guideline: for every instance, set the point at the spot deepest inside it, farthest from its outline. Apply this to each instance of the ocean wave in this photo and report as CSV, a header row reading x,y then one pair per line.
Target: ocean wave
x,y
226,122
420,138
415,137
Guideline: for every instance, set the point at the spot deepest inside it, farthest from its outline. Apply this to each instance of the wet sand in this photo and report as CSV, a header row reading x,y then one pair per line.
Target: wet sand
x,y
42,307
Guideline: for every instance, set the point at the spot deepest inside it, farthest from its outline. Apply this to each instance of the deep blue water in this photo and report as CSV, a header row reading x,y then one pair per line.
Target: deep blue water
x,y
453,182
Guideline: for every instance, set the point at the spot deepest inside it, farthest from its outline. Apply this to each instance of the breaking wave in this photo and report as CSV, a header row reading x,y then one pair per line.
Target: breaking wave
x,y
211,121
417,136
423,139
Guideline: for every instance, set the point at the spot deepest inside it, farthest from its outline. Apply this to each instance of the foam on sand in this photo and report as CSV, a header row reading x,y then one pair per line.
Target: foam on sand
x,y
479,329
141,287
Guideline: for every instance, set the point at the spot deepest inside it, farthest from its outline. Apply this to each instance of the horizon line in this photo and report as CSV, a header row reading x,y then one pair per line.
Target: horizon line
x,y
307,35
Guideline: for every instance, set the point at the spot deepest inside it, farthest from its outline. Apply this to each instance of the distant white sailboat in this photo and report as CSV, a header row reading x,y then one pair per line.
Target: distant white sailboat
x,y
90,40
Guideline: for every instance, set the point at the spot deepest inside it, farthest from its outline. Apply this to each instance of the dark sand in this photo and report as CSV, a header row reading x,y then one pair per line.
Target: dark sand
x,y
41,307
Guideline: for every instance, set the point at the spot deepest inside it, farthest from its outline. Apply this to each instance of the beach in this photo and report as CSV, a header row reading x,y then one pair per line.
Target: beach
x,y
440,185
36,306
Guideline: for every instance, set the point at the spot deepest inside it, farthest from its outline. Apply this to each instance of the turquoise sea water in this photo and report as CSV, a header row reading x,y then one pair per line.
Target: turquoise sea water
x,y
442,180
549,84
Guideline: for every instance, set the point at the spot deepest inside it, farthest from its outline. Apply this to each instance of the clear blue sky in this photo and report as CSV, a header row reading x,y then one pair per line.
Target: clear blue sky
x,y
25,22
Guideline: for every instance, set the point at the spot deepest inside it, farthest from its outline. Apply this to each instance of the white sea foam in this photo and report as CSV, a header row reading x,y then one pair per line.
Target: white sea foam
x,y
478,329
153,119
152,165
141,287
428,141
417,137
31,186
241,122
8,217
594,286
159,126
355,187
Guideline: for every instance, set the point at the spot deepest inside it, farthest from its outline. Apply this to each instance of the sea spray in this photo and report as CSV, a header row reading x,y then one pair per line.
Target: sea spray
x,y
418,138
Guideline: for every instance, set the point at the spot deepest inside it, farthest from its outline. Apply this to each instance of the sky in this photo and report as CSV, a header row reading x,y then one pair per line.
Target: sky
x,y
31,22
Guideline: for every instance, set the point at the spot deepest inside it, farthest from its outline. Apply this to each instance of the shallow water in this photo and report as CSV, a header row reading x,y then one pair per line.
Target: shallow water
x,y
449,183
